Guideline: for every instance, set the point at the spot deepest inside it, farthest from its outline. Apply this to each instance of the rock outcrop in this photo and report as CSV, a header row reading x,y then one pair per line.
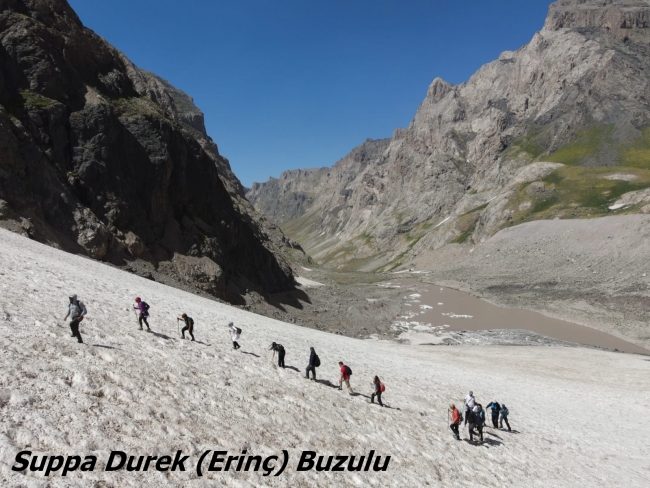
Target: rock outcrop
x,y
576,96
101,158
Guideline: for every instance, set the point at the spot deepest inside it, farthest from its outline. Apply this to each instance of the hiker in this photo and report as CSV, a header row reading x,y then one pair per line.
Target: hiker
x,y
346,372
76,312
504,417
495,408
279,348
470,421
455,421
189,325
314,362
235,332
144,312
479,420
469,404
379,389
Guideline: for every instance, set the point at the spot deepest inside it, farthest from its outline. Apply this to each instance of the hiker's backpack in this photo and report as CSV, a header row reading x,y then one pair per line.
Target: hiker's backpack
x,y
504,411
238,330
382,388
460,417
145,305
279,347
348,371
316,361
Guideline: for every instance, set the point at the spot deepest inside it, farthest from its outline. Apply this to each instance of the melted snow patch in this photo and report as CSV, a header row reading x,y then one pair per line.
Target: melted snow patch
x,y
388,285
455,316
305,283
617,206
621,176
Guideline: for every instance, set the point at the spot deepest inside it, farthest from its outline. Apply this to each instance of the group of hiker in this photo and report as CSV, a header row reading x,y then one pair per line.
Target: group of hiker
x,y
474,413
345,371
475,417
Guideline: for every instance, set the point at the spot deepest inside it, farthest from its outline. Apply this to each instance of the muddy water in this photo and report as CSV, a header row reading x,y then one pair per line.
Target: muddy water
x,y
429,307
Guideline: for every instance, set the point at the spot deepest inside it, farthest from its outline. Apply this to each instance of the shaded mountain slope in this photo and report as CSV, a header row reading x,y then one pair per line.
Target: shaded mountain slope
x,y
101,158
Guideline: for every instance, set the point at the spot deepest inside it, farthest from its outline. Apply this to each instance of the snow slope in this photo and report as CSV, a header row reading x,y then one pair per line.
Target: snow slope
x,y
580,414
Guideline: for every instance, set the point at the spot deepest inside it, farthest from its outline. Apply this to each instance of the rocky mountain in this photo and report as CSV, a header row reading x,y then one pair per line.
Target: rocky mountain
x,y
557,129
101,158
295,192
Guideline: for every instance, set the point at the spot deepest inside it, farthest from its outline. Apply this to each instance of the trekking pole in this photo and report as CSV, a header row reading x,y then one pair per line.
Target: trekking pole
x,y
178,327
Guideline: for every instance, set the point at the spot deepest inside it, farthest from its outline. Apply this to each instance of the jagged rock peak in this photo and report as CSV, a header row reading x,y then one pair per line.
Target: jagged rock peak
x,y
438,89
617,16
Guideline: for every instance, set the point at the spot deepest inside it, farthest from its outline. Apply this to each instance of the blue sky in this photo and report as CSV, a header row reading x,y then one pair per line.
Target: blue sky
x,y
288,84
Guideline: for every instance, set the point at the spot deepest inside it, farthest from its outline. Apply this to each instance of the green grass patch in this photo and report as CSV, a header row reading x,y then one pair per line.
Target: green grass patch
x,y
527,144
299,229
637,155
461,239
588,144
355,264
531,147
138,106
355,278
588,187
395,263
339,253
366,238
31,99
543,204
577,192
480,207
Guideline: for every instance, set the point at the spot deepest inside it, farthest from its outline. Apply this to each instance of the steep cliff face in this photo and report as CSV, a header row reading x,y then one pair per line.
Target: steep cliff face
x,y
100,158
297,191
617,16
558,128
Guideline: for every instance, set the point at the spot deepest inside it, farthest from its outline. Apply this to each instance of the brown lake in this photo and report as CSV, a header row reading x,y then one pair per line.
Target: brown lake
x,y
427,306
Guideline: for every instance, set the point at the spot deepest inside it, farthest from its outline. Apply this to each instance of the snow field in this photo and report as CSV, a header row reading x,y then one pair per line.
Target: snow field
x,y
580,414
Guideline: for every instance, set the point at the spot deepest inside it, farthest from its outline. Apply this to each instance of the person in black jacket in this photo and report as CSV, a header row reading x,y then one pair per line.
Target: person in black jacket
x,y
470,418
378,390
496,408
314,362
479,419
189,325
279,348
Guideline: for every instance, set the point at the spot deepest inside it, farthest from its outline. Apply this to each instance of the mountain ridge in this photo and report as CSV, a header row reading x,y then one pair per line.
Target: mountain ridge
x,y
101,158
503,148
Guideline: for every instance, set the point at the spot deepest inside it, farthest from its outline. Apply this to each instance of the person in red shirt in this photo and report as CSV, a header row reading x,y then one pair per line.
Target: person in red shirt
x,y
345,377
455,420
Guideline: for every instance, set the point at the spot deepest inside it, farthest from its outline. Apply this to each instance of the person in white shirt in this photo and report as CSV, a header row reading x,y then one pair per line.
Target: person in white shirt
x,y
470,401
235,333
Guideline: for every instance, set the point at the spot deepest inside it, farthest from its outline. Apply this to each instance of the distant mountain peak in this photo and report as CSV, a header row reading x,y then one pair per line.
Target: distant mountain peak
x,y
617,16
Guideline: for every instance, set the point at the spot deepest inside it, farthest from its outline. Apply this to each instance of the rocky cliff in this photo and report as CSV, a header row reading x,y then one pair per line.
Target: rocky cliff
x,y
100,158
558,129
